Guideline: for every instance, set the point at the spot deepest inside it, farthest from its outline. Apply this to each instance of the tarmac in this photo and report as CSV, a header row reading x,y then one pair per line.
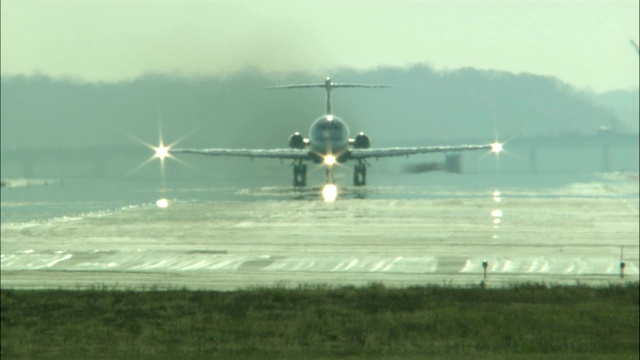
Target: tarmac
x,y
488,240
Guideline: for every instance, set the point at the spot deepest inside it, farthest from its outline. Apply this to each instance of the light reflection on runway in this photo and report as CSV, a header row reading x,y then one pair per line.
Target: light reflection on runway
x,y
227,245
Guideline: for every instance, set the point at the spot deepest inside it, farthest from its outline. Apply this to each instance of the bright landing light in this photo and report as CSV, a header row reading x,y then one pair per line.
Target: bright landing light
x,y
496,147
329,160
162,152
329,193
162,203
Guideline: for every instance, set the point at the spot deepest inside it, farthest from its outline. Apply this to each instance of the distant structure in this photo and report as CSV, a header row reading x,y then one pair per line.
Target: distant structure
x,y
635,46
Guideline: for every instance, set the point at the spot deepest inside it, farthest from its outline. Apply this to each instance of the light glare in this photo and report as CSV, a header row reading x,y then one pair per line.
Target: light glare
x,y
496,196
496,147
329,193
162,152
329,160
162,203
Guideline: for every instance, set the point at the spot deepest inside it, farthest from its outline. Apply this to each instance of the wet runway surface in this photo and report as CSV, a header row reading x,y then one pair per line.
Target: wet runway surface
x,y
227,245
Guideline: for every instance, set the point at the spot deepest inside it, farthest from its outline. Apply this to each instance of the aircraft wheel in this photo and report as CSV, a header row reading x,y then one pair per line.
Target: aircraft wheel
x,y
359,175
300,175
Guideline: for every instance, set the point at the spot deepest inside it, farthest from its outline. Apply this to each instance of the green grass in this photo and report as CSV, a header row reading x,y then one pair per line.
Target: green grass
x,y
531,321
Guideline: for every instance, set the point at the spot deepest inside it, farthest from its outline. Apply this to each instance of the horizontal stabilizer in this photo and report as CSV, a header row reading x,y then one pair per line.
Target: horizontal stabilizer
x,y
328,85
332,85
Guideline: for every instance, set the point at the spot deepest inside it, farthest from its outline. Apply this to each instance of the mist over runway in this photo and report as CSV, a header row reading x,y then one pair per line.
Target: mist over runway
x,y
577,235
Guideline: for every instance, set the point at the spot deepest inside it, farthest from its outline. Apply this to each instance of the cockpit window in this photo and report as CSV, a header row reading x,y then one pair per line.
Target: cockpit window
x,y
330,126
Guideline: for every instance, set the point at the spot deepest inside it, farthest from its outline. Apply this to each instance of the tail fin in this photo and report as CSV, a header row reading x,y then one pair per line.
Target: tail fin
x,y
328,85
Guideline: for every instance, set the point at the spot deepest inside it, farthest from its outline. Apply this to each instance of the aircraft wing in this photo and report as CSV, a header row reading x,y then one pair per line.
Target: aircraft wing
x,y
293,154
406,151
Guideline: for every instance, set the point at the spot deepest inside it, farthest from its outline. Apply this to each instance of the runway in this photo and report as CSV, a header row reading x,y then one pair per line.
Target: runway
x,y
227,245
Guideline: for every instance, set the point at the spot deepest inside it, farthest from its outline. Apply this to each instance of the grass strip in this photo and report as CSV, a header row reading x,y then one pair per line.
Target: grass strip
x,y
529,321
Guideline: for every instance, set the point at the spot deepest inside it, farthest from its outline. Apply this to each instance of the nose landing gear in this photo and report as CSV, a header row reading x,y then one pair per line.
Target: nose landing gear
x,y
329,172
300,174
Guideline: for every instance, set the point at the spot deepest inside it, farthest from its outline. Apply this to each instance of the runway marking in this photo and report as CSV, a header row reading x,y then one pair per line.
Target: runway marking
x,y
393,262
545,267
338,266
571,267
198,265
379,265
611,269
430,240
52,263
467,266
352,264
507,266
128,262
532,266
222,264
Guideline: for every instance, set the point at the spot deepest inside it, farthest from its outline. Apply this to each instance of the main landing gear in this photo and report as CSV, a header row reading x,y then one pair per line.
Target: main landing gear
x,y
360,174
299,174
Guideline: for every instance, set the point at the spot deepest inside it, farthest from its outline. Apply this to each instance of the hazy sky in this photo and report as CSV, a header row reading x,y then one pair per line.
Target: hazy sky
x,y
582,42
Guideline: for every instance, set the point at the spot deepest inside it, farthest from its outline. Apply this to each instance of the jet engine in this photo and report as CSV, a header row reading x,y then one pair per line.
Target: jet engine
x,y
361,141
297,141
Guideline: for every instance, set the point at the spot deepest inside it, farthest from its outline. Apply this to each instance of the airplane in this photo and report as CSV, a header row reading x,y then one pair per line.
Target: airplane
x,y
329,143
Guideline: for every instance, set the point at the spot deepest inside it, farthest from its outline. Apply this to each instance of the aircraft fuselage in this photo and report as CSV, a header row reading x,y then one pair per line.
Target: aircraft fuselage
x,y
329,135
328,143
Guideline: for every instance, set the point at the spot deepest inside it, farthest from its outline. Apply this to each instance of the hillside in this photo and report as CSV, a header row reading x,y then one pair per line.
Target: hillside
x,y
238,111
